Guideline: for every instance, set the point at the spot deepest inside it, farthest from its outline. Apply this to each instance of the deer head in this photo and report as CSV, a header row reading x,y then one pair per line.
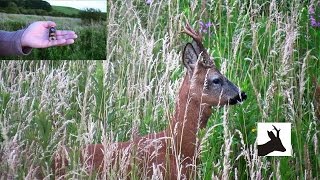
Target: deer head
x,y
205,79
276,141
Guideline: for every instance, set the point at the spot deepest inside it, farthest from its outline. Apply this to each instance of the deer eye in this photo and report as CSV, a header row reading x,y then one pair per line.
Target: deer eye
x,y
216,81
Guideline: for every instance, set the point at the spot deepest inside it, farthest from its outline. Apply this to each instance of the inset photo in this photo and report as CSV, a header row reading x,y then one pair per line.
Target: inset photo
x,y
274,139
53,30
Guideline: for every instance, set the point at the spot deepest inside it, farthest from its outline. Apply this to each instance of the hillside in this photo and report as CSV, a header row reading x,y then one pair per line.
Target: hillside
x,y
65,10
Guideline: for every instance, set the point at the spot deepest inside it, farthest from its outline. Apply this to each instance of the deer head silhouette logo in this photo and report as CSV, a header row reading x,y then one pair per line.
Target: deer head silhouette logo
x,y
274,144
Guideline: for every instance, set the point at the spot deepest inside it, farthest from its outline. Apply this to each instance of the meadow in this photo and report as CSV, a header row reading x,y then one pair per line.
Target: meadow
x,y
90,44
269,49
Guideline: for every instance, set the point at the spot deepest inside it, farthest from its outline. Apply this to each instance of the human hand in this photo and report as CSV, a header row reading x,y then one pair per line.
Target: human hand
x,y
37,36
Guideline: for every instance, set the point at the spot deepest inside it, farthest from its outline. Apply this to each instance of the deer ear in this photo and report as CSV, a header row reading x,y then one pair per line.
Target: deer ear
x,y
195,47
271,135
189,57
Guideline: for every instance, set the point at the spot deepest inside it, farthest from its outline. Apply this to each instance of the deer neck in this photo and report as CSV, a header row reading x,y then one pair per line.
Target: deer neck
x,y
266,148
190,116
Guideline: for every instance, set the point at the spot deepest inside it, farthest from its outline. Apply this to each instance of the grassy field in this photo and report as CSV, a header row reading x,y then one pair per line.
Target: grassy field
x,y
90,44
268,49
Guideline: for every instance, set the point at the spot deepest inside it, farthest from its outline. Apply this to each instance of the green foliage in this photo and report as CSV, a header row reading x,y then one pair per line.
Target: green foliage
x,y
12,8
36,4
90,15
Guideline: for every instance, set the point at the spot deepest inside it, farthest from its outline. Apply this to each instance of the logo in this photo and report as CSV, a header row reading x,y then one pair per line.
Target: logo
x,y
274,139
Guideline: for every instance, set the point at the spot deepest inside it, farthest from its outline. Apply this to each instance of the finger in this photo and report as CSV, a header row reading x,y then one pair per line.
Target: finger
x,y
68,36
67,42
48,24
56,42
64,32
60,42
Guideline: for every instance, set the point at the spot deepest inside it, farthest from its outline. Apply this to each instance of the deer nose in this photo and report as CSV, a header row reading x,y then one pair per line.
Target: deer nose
x,y
243,96
239,98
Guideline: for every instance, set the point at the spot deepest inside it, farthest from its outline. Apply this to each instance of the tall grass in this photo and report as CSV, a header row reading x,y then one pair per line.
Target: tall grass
x,y
266,48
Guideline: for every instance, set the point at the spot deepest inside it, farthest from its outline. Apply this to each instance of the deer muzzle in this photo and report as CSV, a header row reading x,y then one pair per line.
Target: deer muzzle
x,y
237,99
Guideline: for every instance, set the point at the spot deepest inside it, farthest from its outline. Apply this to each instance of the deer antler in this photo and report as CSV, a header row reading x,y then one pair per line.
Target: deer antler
x,y
191,32
197,37
278,131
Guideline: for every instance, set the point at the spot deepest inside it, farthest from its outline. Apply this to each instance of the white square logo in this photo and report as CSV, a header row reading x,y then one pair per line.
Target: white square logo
x,y
274,139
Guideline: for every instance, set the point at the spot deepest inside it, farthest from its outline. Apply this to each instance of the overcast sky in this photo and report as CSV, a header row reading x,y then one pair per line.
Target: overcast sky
x,y
81,4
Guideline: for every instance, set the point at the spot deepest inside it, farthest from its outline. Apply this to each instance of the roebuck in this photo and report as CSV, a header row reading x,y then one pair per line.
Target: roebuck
x,y
172,152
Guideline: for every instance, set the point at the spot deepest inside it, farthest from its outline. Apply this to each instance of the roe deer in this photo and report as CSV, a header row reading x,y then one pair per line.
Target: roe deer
x,y
274,144
172,152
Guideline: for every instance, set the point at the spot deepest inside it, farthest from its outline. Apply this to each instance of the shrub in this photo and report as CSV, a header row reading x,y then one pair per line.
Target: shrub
x,y
12,8
89,14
